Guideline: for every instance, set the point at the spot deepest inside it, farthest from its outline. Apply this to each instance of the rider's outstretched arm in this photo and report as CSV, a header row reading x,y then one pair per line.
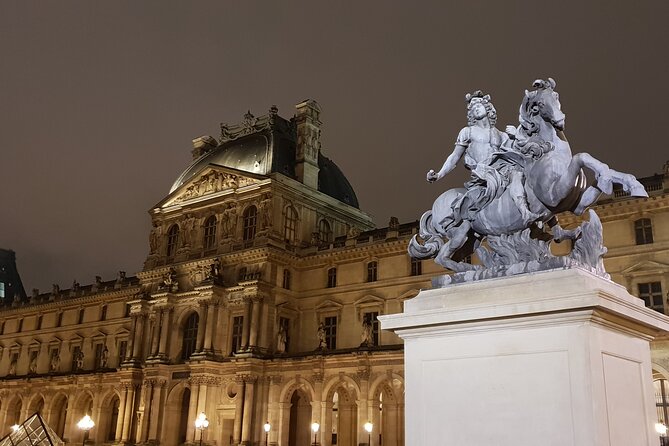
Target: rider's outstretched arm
x,y
449,164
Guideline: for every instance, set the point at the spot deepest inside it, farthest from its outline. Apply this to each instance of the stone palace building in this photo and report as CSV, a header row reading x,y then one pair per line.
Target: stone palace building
x,y
257,304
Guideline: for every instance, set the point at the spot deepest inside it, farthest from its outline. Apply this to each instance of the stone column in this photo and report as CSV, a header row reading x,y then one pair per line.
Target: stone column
x,y
155,338
139,335
250,382
255,323
131,340
284,423
247,324
202,327
127,413
164,332
273,409
208,334
121,413
156,411
239,411
326,417
192,408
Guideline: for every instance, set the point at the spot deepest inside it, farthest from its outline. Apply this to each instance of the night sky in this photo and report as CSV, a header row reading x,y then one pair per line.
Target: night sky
x,y
99,101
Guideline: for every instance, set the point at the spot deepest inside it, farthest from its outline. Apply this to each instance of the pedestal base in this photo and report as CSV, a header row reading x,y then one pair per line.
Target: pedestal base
x,y
554,358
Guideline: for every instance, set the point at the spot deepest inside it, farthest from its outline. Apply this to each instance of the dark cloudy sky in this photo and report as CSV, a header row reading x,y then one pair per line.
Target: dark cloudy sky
x,y
99,101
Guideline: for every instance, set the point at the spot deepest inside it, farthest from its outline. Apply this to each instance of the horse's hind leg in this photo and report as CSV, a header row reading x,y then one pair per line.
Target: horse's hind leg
x,y
589,197
457,238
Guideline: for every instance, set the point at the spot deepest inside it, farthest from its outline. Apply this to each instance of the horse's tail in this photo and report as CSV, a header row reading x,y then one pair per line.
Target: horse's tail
x,y
432,241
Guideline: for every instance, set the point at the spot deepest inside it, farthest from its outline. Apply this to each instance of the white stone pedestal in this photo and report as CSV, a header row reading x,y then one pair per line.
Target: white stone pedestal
x,y
555,358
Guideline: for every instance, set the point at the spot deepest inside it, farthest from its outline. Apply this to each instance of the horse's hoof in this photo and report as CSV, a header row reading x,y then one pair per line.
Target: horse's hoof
x,y
638,191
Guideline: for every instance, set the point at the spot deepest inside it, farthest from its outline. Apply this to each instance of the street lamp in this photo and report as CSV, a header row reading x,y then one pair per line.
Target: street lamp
x,y
85,424
368,427
661,429
267,428
201,423
314,427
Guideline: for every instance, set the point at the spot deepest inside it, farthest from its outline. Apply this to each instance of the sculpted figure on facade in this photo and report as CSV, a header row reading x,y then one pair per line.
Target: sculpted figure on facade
x,y
79,360
154,238
366,336
32,367
265,211
281,338
520,180
54,363
12,365
229,221
170,281
104,358
322,343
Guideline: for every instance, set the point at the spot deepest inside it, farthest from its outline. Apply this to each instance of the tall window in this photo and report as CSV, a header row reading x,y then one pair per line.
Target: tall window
x,y
372,318
103,313
59,319
286,279
416,267
122,350
80,319
330,324
651,293
2,290
172,240
111,431
20,326
237,329
98,355
662,400
75,355
210,232
324,232
643,229
372,268
189,336
250,223
38,325
332,277
290,224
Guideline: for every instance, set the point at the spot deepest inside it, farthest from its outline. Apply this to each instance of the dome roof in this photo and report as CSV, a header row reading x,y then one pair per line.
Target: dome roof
x,y
267,151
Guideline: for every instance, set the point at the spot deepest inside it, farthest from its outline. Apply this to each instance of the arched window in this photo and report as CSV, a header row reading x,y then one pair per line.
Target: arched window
x,y
113,419
250,223
286,279
662,400
324,232
210,232
290,224
172,240
189,336
372,268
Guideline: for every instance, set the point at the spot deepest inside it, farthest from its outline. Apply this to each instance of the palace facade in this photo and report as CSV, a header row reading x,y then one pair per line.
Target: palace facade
x,y
257,304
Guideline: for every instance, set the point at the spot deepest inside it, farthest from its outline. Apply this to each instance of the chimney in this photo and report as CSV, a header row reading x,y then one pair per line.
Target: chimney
x,y
308,147
202,145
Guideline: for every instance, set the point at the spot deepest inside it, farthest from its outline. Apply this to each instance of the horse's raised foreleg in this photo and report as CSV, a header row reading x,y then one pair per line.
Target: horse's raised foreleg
x,y
606,176
589,197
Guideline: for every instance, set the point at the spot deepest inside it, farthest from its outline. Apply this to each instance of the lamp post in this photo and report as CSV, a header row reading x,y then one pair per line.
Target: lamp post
x,y
661,429
314,427
201,423
85,424
368,427
267,428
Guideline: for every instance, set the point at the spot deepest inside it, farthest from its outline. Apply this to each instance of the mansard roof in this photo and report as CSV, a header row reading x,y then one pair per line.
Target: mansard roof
x,y
265,145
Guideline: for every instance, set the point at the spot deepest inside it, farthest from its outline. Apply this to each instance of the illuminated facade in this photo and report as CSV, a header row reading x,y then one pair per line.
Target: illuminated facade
x,y
257,303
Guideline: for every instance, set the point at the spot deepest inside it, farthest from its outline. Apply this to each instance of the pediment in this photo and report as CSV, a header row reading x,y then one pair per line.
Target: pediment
x,y
122,332
76,338
211,181
646,267
56,341
369,300
99,334
328,305
34,344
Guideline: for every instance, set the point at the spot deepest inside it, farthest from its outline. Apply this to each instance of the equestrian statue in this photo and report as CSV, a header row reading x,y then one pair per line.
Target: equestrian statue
x,y
520,180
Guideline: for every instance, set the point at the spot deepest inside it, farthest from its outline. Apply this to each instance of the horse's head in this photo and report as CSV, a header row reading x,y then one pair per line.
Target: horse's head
x,y
543,102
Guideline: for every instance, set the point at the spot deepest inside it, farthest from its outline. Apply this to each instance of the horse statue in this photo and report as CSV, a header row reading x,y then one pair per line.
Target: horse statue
x,y
554,182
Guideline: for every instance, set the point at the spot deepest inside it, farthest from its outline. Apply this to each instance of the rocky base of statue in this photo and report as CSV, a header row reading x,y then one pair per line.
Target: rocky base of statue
x,y
518,253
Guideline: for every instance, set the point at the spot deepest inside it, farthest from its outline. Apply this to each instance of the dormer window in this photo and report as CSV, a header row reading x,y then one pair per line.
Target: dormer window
x,y
290,224
210,233
172,240
324,232
250,218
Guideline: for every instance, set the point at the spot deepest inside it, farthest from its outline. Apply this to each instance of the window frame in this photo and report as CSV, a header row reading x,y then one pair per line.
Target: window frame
x,y
190,328
331,331
372,271
249,223
172,240
210,227
643,231
290,224
331,277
